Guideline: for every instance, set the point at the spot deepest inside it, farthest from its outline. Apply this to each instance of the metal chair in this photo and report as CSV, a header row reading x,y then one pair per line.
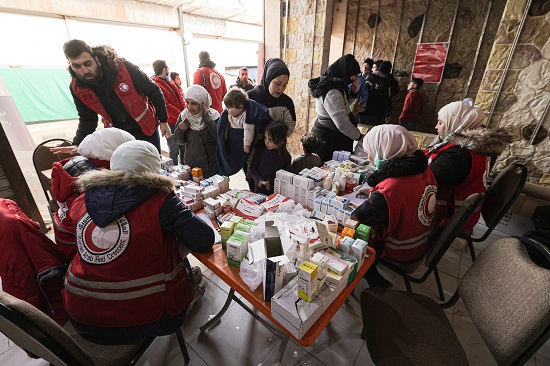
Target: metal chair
x,y
43,159
438,248
499,197
505,293
40,336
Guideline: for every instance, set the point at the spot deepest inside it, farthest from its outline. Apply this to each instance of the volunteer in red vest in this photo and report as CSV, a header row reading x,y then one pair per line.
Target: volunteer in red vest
x,y
174,105
210,79
26,254
95,153
460,157
116,89
400,205
129,279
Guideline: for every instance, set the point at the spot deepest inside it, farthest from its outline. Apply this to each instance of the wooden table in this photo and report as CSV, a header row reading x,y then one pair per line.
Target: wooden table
x,y
216,261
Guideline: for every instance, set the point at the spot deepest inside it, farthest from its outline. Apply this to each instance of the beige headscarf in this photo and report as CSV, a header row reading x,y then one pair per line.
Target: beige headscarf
x,y
200,95
460,116
102,143
386,142
137,156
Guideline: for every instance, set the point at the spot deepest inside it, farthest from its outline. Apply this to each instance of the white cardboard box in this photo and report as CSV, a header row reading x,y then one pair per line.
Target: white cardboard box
x,y
297,315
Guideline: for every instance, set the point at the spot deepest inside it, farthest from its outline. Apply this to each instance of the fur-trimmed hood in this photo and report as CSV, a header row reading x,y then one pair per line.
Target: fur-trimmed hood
x,y
482,141
400,167
107,57
110,194
124,178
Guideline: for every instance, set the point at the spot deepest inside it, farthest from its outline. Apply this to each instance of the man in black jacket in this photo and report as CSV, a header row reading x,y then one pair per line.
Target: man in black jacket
x,y
115,89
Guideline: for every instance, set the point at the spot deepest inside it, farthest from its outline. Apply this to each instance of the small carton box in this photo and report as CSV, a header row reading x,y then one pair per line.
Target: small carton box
x,y
237,248
351,224
196,172
363,232
345,243
236,219
358,251
242,227
307,281
226,230
248,209
321,261
348,232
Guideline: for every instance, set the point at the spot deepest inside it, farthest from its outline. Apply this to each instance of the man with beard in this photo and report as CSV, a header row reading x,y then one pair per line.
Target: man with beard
x,y
105,84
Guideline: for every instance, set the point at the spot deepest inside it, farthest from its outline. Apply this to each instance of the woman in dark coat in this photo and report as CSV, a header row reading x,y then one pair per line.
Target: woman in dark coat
x,y
335,124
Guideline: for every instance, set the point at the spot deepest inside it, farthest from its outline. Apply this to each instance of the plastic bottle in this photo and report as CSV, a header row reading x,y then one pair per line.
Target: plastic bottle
x,y
327,184
342,183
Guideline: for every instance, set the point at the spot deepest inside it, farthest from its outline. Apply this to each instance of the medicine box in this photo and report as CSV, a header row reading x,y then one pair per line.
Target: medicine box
x,y
237,247
363,232
358,251
196,172
307,280
226,230
345,243
348,232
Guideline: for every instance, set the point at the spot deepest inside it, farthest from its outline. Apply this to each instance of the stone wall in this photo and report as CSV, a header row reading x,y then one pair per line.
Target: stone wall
x,y
525,90
306,56
396,41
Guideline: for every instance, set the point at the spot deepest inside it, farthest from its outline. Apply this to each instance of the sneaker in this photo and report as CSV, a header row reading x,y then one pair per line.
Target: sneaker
x,y
198,292
197,276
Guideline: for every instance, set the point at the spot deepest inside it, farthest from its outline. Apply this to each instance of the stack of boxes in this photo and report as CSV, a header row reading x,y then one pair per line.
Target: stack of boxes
x,y
321,261
341,155
335,205
307,281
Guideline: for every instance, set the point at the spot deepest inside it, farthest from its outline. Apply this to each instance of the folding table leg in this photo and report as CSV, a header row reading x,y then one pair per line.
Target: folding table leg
x,y
209,323
282,348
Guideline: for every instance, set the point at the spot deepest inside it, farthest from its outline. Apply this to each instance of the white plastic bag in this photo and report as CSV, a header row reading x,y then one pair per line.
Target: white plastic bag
x,y
252,274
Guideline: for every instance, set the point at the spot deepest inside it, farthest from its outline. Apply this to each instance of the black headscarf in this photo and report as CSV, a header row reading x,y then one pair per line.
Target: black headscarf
x,y
336,76
273,68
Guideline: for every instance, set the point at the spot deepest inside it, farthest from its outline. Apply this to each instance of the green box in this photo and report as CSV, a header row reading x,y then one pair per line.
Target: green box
x,y
363,232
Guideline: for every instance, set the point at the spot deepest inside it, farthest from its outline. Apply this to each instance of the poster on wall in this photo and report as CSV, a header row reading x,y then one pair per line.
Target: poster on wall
x,y
429,61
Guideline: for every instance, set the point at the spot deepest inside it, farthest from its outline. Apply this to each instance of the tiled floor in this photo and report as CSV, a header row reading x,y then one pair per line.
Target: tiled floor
x,y
239,339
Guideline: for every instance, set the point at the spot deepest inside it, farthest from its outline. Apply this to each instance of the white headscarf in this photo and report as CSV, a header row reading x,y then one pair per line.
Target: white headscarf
x,y
137,156
460,116
201,96
102,143
386,142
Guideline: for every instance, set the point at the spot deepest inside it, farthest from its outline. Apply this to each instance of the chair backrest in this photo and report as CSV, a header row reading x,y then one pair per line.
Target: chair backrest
x,y
507,296
452,229
43,159
502,194
36,333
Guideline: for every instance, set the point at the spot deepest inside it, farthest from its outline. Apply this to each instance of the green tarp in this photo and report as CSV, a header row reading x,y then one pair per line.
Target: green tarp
x,y
40,94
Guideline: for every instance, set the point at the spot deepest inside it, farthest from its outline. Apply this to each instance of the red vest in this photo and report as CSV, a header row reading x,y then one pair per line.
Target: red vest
x,y
131,283
173,98
411,216
135,103
453,196
25,253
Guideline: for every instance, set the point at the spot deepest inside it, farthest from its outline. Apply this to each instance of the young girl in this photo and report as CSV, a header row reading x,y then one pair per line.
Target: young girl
x,y
238,123
270,158
196,129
